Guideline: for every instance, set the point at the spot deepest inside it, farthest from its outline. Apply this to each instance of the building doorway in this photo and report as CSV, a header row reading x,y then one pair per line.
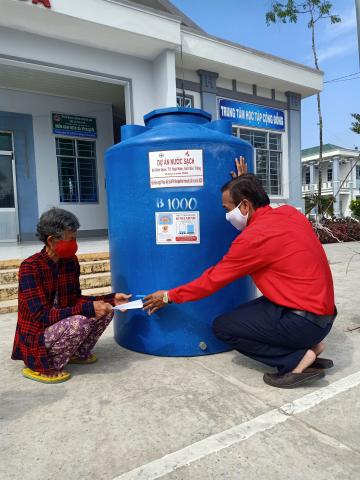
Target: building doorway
x,y
9,225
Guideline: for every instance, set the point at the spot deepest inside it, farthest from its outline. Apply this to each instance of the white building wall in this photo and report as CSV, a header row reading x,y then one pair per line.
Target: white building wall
x,y
91,216
244,87
280,96
344,169
190,75
70,58
263,92
222,82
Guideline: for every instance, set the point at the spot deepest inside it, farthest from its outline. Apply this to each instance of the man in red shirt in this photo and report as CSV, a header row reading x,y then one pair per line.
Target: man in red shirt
x,y
285,327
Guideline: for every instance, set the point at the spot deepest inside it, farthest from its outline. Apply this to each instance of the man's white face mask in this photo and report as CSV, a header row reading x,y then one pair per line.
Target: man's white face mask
x,y
237,219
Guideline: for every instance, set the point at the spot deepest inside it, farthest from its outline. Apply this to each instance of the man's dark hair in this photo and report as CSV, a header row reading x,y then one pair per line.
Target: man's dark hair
x,y
55,222
247,187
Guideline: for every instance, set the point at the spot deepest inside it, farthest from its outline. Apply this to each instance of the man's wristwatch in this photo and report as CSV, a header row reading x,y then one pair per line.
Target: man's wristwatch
x,y
166,298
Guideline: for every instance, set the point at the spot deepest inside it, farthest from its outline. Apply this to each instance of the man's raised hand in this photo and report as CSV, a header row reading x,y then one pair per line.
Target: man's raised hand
x,y
241,167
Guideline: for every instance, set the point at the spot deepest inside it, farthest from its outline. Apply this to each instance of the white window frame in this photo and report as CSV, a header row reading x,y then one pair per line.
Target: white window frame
x,y
68,137
261,130
188,98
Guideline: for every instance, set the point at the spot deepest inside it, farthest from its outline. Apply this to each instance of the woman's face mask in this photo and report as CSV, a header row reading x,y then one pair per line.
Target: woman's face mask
x,y
66,248
237,219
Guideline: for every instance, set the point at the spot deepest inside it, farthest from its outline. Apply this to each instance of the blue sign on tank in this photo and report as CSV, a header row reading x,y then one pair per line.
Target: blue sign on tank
x,y
167,225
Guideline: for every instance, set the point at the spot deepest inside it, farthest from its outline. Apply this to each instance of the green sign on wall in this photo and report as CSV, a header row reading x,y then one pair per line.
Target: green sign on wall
x,y
74,126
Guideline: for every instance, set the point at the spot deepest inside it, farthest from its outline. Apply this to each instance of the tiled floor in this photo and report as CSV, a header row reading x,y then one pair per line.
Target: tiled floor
x,y
9,251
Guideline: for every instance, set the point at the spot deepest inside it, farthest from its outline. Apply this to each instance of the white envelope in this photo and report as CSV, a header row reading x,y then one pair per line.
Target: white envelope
x,y
129,306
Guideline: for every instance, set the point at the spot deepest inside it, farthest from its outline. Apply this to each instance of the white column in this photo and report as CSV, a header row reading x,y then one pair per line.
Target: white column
x,y
164,80
352,178
312,178
336,185
294,136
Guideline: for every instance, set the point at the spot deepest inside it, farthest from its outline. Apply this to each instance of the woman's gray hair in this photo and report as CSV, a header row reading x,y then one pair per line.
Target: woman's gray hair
x,y
55,222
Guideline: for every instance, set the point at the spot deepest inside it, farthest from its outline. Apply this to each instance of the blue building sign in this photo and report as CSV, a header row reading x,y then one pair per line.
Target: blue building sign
x,y
251,115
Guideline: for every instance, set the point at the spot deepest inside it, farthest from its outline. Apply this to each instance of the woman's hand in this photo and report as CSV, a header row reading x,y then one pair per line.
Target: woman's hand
x,y
121,298
154,301
102,309
241,167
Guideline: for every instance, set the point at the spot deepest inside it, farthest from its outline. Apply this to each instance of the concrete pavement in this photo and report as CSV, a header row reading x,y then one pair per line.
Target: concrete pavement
x,y
130,409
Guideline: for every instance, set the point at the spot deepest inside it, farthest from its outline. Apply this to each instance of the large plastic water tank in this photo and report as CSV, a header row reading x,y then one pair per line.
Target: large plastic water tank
x,y
167,225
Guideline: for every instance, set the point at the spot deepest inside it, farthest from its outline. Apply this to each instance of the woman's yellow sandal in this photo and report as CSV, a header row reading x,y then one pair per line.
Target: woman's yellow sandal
x,y
38,377
84,361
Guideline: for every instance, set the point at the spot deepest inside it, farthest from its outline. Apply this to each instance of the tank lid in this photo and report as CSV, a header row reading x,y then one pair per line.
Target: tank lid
x,y
176,110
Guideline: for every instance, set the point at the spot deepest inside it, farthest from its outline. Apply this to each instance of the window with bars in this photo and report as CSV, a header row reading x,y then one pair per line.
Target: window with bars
x,y
268,150
330,173
307,175
77,170
186,101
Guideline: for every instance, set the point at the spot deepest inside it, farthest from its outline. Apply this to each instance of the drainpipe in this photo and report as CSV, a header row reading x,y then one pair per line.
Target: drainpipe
x,y
336,184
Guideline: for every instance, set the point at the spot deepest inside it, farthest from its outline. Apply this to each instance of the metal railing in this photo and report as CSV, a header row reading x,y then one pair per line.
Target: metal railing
x,y
326,186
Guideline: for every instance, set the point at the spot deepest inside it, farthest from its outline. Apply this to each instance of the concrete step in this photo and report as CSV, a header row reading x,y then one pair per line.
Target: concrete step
x,y
11,306
98,266
97,291
91,257
8,306
8,276
9,264
95,280
9,291
82,257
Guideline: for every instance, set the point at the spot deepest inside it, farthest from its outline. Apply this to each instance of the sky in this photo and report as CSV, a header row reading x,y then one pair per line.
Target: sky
x,y
243,21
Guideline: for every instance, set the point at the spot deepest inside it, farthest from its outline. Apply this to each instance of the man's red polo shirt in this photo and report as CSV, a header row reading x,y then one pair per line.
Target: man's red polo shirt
x,y
284,257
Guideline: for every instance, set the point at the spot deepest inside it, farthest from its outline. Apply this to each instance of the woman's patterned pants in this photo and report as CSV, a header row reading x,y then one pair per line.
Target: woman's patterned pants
x,y
73,336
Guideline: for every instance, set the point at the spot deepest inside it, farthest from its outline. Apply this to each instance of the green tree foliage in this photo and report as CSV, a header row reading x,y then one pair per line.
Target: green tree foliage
x,y
290,10
355,126
315,10
327,204
355,208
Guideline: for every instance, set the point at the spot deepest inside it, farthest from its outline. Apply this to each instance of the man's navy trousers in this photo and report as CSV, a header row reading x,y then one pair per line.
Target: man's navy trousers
x,y
269,333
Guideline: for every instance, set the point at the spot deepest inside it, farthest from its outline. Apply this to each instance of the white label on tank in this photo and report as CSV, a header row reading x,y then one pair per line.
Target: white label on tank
x,y
176,168
177,228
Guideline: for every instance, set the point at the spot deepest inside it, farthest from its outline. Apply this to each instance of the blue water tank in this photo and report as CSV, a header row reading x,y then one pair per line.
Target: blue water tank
x,y
167,225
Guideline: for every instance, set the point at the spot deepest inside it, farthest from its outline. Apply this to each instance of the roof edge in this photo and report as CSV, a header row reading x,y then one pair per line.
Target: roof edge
x,y
179,13
330,149
144,8
251,50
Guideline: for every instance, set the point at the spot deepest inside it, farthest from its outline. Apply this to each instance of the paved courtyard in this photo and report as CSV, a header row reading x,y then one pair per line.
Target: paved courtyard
x,y
132,416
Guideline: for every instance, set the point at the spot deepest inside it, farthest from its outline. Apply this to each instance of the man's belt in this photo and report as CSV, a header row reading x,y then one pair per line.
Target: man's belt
x,y
320,320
